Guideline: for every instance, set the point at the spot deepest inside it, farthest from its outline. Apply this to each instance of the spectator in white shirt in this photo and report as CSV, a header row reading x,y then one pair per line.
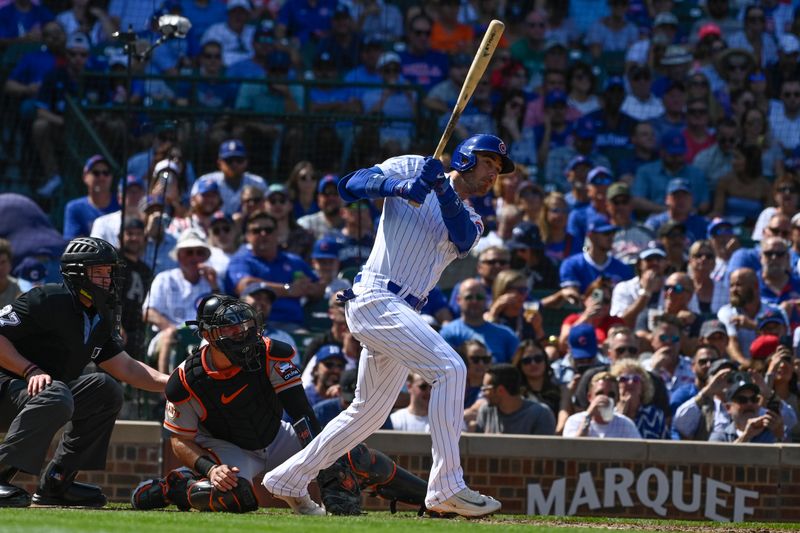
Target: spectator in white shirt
x,y
641,103
600,419
415,416
235,35
784,115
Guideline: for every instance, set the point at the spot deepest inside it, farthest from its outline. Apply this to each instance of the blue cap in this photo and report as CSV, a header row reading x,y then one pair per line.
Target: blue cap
x,y
651,250
613,81
673,142
329,351
579,160
31,269
152,200
720,226
525,236
585,128
771,316
259,286
556,96
325,248
220,216
600,176
327,179
92,161
131,180
600,224
582,341
207,185
232,148
678,184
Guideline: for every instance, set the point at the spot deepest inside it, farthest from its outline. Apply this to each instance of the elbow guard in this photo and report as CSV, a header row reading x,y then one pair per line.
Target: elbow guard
x,y
461,229
366,183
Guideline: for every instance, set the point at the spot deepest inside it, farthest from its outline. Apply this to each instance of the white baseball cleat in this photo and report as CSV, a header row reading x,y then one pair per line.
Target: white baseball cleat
x,y
469,503
303,505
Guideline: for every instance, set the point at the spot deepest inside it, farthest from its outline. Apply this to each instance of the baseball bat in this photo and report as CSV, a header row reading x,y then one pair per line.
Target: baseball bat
x,y
476,71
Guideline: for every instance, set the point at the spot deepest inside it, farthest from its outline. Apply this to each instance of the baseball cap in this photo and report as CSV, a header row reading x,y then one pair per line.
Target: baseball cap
x,y
325,248
166,164
554,97
524,236
789,44
582,341
134,223
771,317
371,40
600,176
325,181
739,382
763,346
707,30
579,160
712,326
619,188
387,58
92,161
206,185
244,4
151,201
720,226
78,41
651,250
131,180
31,269
669,226
232,148
585,128
220,216
613,81
260,286
721,364
678,185
551,44
277,188
673,142
265,31
525,185
329,351
347,385
341,11
665,18
600,224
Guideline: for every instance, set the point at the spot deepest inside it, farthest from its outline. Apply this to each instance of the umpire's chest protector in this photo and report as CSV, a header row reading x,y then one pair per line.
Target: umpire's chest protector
x,y
240,407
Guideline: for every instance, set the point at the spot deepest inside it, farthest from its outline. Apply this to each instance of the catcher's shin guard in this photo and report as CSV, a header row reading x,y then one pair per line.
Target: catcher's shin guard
x,y
240,499
378,473
158,493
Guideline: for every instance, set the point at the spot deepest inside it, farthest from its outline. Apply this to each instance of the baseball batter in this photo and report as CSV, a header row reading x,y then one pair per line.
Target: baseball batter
x,y
412,248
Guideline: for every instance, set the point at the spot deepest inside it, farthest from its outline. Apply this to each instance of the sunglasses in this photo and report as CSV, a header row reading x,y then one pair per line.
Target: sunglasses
x,y
78,54
423,387
559,211
197,252
677,288
101,172
263,230
699,111
236,160
480,359
474,297
277,199
530,359
536,24
633,350
212,56
703,361
726,140
672,339
774,254
703,256
787,190
253,200
788,94
739,68
621,200
333,364
422,32
519,290
495,262
778,232
743,399
219,230
630,378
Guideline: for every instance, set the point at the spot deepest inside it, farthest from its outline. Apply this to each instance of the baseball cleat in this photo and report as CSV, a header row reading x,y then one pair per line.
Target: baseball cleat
x,y
468,503
303,505
13,496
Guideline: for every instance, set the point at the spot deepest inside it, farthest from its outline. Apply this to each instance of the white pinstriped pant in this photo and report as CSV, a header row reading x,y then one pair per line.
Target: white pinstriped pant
x,y
396,340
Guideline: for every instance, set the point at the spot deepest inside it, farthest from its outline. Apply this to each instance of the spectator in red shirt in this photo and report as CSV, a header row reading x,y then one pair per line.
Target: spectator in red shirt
x,y
597,304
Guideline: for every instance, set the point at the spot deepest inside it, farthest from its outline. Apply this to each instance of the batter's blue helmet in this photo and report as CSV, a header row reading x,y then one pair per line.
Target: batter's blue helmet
x,y
464,157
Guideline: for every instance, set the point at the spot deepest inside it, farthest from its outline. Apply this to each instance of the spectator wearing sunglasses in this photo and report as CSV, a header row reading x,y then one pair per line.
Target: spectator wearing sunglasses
x,y
232,175
597,183
292,238
697,417
224,238
716,160
596,302
202,205
511,291
506,411
680,209
583,353
742,315
603,394
491,262
786,195
704,357
415,416
666,359
477,358
782,377
779,225
749,421
538,381
636,393
528,256
80,214
328,368
777,282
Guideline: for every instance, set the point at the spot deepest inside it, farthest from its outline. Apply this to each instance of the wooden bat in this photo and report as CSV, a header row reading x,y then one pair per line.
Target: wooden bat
x,y
476,71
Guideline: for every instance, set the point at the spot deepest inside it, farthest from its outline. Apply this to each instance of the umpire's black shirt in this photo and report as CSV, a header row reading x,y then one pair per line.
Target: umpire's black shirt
x,y
53,330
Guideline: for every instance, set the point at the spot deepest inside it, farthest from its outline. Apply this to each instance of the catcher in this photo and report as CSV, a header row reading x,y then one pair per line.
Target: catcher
x,y
224,408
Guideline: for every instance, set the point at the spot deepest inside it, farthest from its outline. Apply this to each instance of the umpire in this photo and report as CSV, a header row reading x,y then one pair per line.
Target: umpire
x,y
47,337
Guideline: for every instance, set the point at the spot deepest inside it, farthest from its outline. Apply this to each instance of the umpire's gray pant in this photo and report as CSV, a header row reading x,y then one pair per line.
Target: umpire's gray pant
x,y
88,406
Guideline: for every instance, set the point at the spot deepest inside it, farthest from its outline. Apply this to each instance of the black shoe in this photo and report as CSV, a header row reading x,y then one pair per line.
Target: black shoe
x,y
12,496
58,488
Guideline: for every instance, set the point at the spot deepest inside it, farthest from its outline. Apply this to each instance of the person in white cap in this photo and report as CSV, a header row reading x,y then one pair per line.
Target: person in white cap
x,y
174,293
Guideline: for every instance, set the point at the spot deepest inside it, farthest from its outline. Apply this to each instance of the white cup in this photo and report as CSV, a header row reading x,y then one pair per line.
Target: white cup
x,y
607,411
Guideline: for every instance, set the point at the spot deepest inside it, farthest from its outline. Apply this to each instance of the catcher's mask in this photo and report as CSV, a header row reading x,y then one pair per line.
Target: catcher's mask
x,y
233,327
79,256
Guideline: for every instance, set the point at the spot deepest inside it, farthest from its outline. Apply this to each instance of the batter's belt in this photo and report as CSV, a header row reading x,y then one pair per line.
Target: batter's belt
x,y
391,286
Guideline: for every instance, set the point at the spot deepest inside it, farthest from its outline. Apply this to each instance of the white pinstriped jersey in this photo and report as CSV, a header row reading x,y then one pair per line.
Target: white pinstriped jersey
x,y
412,247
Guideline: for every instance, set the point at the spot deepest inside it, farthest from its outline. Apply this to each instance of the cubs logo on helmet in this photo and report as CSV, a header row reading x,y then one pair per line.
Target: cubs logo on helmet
x,y
465,158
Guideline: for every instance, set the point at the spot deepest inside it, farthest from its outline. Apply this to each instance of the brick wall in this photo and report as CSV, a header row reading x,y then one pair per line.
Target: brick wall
x,y
507,466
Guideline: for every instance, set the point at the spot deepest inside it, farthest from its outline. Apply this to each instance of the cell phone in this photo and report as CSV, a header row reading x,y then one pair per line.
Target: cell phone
x,y
774,405
786,340
597,295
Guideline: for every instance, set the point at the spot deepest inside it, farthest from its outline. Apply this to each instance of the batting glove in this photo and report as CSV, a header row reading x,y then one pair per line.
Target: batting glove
x,y
415,190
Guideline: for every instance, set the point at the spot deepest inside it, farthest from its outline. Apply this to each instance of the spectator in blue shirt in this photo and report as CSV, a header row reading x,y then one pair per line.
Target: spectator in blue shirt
x,y
202,13
500,340
614,127
327,410
79,214
556,131
286,274
597,181
22,20
579,270
650,184
26,78
305,21
343,42
421,65
680,203
749,421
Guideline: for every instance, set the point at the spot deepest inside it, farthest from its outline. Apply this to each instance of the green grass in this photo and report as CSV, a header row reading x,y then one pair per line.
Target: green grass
x,y
120,519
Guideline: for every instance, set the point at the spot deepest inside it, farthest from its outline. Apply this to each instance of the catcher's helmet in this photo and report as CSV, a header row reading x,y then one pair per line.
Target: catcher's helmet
x,y
464,157
82,253
233,327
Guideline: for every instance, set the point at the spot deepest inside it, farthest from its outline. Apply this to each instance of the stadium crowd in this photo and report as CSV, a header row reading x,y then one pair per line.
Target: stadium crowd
x,y
639,274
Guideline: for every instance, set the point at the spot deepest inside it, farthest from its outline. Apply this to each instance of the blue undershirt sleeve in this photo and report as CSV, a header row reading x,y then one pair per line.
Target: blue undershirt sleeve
x,y
460,227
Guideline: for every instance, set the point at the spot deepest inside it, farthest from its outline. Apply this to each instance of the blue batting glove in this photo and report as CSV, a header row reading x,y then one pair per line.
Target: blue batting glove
x,y
415,190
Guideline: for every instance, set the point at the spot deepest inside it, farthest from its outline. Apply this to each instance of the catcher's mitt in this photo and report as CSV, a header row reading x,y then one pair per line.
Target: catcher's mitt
x,y
339,488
